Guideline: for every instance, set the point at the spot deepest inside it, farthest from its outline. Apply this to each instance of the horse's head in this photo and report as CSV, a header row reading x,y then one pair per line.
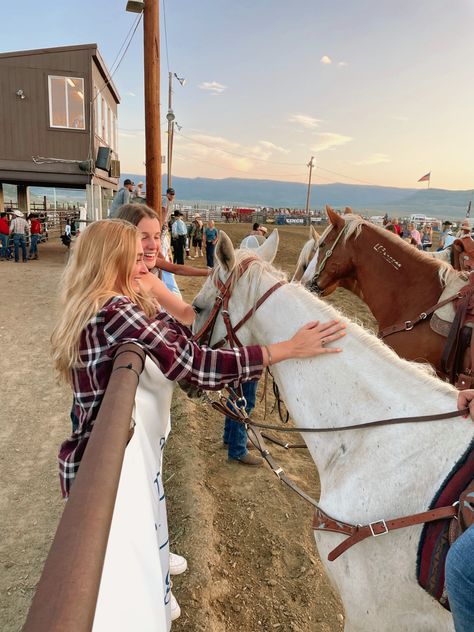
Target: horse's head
x,y
334,261
307,259
225,282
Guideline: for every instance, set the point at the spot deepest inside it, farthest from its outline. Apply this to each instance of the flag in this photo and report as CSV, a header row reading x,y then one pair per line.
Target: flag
x,y
426,177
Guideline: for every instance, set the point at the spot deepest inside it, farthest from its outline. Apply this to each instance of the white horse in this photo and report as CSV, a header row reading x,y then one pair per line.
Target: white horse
x,y
367,474
308,255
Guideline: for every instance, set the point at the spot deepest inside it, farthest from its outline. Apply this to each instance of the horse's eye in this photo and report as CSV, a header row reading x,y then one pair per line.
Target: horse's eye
x,y
197,309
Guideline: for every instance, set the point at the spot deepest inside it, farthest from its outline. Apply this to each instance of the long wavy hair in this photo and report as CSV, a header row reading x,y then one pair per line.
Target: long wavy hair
x,y
100,268
135,212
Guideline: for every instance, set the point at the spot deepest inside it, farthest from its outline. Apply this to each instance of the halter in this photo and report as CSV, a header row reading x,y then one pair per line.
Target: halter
x,y
314,283
204,335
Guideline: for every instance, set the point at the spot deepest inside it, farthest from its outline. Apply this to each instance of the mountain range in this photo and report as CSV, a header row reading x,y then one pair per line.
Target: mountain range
x,y
369,199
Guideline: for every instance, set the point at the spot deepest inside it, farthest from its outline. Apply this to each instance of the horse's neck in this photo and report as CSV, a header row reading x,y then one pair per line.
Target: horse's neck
x,y
394,285
363,383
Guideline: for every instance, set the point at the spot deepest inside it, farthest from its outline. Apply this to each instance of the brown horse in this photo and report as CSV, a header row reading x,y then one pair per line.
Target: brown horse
x,y
229,215
397,281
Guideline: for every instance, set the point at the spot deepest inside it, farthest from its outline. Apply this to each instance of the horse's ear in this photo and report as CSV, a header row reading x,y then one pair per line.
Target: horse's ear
x,y
225,252
267,251
313,234
334,218
328,208
348,210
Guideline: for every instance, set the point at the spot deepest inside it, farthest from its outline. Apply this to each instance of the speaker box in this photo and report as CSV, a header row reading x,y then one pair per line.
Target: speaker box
x,y
114,171
104,157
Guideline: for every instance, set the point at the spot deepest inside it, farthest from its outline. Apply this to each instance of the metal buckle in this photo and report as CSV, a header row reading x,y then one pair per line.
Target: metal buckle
x,y
379,522
408,325
423,315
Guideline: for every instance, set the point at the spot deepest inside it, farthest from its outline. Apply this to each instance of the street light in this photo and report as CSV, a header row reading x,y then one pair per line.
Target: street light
x,y
135,6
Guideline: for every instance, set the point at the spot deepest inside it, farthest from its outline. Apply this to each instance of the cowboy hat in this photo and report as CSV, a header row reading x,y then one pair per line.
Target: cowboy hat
x,y
18,214
197,216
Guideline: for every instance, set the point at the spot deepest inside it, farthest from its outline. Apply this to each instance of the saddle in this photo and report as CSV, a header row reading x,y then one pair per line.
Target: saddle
x,y
463,254
456,362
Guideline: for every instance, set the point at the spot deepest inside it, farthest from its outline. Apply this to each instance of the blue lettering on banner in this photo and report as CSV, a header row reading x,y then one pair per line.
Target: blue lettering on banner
x,y
167,589
159,487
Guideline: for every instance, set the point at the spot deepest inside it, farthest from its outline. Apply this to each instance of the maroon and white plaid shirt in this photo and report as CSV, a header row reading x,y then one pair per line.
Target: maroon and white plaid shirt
x,y
167,342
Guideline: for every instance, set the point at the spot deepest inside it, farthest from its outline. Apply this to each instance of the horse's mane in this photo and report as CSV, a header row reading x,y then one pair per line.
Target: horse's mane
x,y
355,223
305,252
424,372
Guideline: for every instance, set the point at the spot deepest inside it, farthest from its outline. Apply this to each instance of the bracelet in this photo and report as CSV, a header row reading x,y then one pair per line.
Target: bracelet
x,y
270,359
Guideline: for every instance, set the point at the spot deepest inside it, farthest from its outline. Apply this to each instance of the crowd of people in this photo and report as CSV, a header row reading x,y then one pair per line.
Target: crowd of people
x,y
421,235
20,235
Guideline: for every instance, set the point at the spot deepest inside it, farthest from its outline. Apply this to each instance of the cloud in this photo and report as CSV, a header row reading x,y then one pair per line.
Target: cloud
x,y
304,120
222,152
271,146
325,60
329,140
342,64
130,94
373,159
213,87
123,134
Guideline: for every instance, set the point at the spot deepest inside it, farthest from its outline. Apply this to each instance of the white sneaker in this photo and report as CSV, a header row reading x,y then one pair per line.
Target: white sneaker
x,y
175,609
178,564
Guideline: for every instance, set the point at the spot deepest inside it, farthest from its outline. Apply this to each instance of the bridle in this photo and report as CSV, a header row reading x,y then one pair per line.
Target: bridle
x,y
314,287
204,335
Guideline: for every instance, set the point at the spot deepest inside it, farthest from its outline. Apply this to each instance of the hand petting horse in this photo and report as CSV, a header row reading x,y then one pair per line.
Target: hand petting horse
x,y
368,474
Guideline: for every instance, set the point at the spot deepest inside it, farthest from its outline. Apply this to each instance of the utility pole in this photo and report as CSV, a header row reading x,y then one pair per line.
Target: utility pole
x,y
310,165
151,46
170,117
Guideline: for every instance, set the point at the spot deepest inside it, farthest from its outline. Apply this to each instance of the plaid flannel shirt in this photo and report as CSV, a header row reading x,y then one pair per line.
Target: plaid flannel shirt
x,y
167,342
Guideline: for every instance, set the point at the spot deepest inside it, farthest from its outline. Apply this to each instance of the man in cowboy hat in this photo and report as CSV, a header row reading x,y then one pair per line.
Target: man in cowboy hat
x,y
19,231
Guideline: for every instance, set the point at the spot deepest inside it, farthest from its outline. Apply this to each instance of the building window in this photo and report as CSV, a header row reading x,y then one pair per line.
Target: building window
x,y
66,102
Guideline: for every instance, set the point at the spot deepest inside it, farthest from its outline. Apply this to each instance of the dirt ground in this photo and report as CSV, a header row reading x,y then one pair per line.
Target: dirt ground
x,y
259,569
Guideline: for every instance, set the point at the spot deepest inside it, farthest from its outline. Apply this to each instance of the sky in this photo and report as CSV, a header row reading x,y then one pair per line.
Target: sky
x,y
378,92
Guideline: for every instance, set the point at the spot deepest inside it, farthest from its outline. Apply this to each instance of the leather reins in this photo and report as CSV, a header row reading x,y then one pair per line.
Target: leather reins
x,y
232,408
329,252
204,335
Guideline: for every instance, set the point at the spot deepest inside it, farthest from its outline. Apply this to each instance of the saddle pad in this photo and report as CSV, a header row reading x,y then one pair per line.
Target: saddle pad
x,y
447,312
434,542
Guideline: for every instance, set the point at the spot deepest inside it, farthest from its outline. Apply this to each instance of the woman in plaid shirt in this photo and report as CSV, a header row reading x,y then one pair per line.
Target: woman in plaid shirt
x,y
104,306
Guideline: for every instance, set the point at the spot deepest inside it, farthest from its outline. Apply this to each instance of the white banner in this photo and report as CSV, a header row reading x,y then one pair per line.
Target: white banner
x,y
135,590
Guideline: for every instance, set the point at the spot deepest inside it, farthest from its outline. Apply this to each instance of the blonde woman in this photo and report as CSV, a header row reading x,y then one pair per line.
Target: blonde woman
x,y
104,305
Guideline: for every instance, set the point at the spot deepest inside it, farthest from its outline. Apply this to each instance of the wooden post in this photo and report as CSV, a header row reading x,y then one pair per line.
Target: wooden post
x,y
151,45
310,165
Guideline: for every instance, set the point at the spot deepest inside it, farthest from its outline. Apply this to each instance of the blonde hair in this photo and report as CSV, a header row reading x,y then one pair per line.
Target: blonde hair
x,y
100,268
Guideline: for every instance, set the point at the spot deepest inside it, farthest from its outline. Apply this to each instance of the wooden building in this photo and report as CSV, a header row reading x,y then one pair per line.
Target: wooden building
x,y
58,123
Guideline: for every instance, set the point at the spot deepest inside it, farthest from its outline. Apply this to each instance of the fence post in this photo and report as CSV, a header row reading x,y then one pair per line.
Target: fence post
x,y
66,594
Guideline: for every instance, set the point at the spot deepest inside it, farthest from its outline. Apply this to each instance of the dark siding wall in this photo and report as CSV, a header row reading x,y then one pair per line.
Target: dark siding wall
x,y
24,124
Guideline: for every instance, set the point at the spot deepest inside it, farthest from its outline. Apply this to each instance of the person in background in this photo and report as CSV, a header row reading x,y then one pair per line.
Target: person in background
x,y
4,236
35,229
123,196
138,192
464,229
414,234
19,231
211,235
447,238
179,233
168,205
397,227
197,230
427,237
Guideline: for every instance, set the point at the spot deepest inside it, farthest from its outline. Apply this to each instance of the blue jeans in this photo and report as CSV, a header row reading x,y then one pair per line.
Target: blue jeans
x,y
235,435
210,249
4,242
19,241
34,245
460,581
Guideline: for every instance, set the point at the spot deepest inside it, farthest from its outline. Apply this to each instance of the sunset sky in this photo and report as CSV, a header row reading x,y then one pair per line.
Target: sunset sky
x,y
379,92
